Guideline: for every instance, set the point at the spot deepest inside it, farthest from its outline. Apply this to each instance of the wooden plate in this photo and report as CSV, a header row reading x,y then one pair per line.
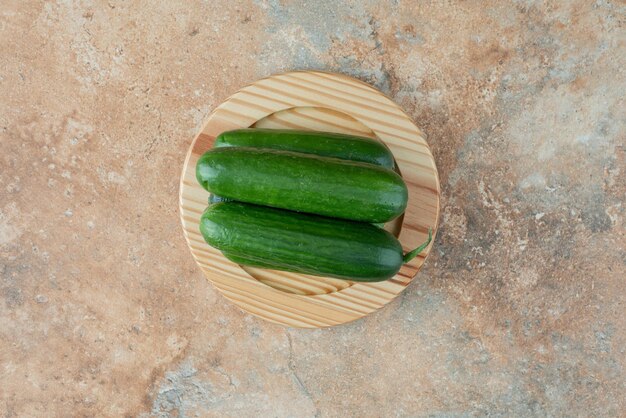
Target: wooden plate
x,y
325,102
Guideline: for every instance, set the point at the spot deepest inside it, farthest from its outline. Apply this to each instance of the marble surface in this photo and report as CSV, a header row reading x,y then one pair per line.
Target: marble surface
x,y
519,311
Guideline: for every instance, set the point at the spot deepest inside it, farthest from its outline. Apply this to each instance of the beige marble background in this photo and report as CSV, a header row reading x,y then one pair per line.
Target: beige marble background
x,y
519,311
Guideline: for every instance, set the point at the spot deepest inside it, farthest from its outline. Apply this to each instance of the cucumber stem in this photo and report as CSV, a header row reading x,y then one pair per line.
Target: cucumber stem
x,y
412,254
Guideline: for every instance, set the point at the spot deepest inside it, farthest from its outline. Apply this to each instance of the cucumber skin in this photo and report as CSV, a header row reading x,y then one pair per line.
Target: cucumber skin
x,y
245,261
326,144
213,198
303,243
304,183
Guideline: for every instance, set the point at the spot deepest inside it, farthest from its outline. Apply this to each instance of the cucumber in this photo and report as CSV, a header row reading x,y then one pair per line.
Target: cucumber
x,y
284,240
346,147
326,144
304,183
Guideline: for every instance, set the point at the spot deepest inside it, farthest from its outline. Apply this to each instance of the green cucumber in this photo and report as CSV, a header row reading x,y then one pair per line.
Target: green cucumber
x,y
284,240
326,144
304,183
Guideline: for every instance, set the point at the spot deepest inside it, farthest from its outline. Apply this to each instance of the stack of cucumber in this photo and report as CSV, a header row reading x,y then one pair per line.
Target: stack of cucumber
x,y
304,202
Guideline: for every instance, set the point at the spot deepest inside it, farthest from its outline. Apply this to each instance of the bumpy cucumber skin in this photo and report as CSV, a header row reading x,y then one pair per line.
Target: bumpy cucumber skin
x,y
302,243
326,144
304,183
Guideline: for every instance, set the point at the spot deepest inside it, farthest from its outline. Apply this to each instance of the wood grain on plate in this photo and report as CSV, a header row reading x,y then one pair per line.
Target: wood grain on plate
x,y
324,102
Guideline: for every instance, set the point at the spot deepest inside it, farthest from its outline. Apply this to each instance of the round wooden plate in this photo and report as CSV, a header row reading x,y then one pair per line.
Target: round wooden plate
x,y
328,102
